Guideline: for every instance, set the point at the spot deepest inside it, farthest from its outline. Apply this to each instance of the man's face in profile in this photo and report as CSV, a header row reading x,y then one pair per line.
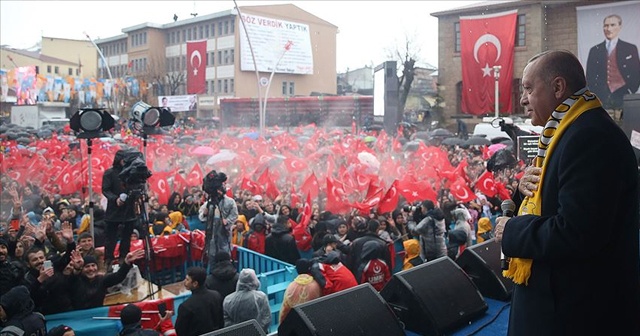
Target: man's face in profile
x,y
611,28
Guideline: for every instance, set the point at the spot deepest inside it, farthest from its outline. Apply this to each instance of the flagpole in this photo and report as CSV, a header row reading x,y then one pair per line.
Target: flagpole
x,y
496,75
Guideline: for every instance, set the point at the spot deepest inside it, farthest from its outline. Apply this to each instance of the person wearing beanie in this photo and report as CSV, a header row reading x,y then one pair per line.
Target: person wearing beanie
x,y
86,247
224,276
16,309
131,316
202,311
255,238
89,287
248,302
10,273
302,289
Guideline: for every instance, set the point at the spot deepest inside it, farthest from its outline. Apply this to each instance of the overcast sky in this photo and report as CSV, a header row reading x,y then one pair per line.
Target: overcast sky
x,y
367,29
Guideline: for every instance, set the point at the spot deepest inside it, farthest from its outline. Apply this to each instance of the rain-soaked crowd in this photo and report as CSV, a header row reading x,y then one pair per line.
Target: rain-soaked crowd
x,y
51,262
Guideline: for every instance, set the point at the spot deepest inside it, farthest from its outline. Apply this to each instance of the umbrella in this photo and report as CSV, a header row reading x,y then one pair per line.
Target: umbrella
x,y
452,141
251,135
496,147
203,151
502,159
477,141
441,132
23,140
411,146
222,156
421,135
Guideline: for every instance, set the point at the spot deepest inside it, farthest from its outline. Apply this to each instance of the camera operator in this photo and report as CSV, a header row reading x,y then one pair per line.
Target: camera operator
x,y
120,209
428,223
225,214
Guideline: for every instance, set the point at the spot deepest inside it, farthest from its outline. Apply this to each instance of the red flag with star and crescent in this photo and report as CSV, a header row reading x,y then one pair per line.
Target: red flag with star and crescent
x,y
196,66
487,41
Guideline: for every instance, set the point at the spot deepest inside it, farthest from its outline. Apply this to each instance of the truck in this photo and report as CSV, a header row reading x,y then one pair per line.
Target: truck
x,y
40,114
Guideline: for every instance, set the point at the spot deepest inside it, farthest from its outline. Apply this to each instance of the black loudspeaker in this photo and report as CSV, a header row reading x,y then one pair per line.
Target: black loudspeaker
x,y
434,298
247,328
357,311
481,262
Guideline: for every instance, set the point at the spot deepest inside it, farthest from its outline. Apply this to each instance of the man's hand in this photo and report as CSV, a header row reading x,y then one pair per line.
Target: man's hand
x,y
67,231
500,224
119,202
45,274
76,260
133,256
530,181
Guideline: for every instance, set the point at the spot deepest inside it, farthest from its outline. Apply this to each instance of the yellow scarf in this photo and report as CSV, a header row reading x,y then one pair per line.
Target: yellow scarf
x,y
563,116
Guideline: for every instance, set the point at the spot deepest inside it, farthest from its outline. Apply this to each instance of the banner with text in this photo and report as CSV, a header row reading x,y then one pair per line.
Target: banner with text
x,y
178,103
279,44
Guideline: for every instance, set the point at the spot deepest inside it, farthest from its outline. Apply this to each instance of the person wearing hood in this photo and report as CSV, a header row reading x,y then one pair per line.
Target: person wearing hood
x,y
280,244
16,308
202,311
412,256
120,209
224,276
485,231
247,302
255,238
462,218
238,231
372,269
10,273
431,230
356,255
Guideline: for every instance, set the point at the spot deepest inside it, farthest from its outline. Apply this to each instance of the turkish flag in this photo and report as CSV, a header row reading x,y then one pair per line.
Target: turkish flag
x,y
503,192
487,41
337,201
195,177
251,186
159,185
460,190
486,184
311,186
390,199
196,66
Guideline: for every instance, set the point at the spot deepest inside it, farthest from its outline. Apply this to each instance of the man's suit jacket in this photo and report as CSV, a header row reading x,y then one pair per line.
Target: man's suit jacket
x,y
628,65
584,246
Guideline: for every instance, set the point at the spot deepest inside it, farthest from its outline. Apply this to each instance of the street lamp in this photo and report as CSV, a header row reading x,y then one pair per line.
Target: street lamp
x,y
496,75
106,65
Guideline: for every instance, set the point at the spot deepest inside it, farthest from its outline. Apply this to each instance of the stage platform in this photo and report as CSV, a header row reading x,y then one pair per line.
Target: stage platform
x,y
142,293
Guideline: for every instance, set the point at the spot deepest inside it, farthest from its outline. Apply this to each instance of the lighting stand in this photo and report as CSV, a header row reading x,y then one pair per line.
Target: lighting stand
x,y
91,205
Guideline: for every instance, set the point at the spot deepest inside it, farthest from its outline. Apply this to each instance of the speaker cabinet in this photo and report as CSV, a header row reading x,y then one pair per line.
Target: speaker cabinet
x,y
434,298
353,312
247,328
481,262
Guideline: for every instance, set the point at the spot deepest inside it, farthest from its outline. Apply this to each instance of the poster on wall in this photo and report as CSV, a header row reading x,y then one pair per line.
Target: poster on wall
x,y
279,44
179,103
608,43
18,85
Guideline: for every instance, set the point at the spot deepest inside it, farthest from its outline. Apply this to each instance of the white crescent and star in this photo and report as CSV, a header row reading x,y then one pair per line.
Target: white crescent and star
x,y
487,38
196,53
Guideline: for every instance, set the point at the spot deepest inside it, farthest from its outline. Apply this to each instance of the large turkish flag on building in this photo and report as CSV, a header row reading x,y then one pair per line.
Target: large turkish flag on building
x,y
487,41
196,66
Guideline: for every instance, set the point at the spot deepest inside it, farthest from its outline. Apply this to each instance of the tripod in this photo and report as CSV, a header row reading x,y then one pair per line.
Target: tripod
x,y
143,227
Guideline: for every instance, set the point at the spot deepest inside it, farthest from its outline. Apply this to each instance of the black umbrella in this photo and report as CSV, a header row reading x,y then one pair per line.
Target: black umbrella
x,y
421,135
411,146
441,132
477,141
12,135
452,141
3,129
502,159
23,140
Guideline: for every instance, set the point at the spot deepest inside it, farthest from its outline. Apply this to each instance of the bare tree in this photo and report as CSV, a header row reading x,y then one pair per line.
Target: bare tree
x,y
407,54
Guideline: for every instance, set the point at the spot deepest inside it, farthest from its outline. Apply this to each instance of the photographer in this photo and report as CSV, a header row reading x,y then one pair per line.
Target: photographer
x,y
120,209
428,222
225,214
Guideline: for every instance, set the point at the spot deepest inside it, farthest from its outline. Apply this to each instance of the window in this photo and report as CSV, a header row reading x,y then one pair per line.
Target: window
x,y
226,27
70,72
213,58
144,38
284,88
78,72
56,70
220,59
219,85
213,87
231,56
232,25
184,36
292,88
232,85
456,28
521,24
226,57
188,34
183,62
459,97
201,32
48,69
219,28
226,86
206,87
206,31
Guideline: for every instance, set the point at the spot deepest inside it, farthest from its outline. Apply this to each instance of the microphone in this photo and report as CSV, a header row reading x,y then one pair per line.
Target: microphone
x,y
508,208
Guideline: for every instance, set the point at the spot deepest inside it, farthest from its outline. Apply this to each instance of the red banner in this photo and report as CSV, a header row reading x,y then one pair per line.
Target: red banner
x,y
196,66
487,41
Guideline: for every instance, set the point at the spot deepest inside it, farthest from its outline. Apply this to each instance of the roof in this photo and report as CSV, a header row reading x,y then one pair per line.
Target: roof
x,y
482,4
199,18
142,26
111,39
39,56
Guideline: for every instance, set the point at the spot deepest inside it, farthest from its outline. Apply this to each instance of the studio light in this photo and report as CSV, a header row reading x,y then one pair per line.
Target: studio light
x,y
147,117
90,123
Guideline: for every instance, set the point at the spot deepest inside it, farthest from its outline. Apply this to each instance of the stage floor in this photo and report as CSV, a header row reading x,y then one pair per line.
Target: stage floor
x,y
142,293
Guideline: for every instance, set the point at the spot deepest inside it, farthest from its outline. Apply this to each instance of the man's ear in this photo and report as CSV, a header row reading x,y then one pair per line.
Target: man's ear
x,y
560,87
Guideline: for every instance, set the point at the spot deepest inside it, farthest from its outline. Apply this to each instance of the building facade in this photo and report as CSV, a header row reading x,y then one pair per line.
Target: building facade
x,y
541,25
157,54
